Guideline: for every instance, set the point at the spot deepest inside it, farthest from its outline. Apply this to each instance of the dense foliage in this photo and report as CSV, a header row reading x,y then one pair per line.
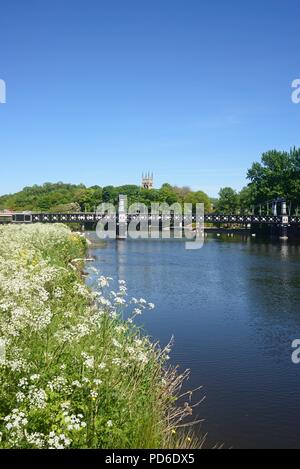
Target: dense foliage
x,y
277,176
75,373
68,197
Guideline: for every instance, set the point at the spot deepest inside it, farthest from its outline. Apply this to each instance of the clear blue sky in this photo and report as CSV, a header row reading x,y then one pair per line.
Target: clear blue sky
x,y
100,90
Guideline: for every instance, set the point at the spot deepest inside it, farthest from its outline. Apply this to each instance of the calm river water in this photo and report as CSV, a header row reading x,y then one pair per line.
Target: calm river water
x,y
234,310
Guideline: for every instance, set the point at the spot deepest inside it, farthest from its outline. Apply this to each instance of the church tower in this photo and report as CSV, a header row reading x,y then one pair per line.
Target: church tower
x,y
147,181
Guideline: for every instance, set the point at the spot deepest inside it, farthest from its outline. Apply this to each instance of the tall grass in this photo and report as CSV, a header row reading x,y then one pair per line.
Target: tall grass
x,y
73,372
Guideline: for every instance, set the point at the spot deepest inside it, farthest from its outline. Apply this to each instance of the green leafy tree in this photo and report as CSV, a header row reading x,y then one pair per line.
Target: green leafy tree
x,y
199,197
228,202
277,176
246,200
168,194
109,194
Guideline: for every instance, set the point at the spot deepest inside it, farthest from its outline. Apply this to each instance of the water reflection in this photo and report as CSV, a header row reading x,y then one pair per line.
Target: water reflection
x,y
233,308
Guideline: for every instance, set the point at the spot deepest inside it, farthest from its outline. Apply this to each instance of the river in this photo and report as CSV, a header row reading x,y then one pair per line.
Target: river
x,y
234,310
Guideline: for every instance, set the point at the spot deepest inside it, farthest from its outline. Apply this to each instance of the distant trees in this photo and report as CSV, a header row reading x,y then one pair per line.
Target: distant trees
x,y
66,208
61,197
88,199
168,194
276,176
199,197
53,197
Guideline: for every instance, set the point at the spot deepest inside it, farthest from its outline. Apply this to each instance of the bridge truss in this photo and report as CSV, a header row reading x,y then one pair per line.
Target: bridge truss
x,y
93,218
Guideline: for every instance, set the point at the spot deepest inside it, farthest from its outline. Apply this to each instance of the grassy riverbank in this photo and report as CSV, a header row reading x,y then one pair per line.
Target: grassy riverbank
x,y
73,373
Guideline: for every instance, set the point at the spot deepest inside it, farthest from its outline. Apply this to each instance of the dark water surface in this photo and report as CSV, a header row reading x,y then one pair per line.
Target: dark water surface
x,y
234,309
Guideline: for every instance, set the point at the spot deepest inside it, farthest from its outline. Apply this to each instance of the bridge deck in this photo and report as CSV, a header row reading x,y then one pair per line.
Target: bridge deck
x,y
185,220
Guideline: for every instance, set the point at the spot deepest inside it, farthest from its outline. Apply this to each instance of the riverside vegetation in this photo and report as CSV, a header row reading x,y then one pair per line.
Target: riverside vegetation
x,y
75,372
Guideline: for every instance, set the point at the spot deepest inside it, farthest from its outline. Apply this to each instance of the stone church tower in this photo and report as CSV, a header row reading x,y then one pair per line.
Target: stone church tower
x,y
147,181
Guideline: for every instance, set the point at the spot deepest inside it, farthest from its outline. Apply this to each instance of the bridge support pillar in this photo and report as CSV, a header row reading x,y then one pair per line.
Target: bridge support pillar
x,y
285,221
122,218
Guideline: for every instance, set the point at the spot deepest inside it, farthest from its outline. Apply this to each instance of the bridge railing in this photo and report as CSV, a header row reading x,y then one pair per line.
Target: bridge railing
x,y
92,217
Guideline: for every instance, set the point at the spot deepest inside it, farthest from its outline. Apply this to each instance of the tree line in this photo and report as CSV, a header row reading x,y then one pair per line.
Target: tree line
x,y
277,175
62,197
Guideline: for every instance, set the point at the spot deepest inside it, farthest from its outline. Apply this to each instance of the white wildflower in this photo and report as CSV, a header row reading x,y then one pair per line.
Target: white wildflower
x,y
116,343
94,394
59,441
116,361
35,439
103,282
120,301
88,360
37,397
20,396
34,377
76,384
97,382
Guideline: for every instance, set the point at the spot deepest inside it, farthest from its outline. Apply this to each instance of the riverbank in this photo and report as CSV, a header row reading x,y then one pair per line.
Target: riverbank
x,y
73,372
